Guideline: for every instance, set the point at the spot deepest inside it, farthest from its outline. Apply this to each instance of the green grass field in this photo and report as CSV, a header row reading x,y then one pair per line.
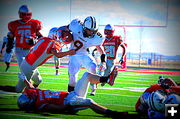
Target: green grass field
x,y
121,97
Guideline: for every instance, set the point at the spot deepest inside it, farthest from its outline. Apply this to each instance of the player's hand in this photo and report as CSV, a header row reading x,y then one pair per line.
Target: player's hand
x,y
72,52
102,66
121,61
30,86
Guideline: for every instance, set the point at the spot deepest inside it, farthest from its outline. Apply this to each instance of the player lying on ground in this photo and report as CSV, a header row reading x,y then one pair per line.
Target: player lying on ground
x,y
152,101
58,102
45,48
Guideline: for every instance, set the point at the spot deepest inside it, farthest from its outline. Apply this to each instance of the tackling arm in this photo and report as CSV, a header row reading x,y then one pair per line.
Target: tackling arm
x,y
101,51
62,54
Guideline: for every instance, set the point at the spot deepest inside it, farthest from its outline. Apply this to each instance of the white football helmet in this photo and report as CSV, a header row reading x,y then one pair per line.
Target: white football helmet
x,y
25,103
52,33
144,99
156,100
173,99
90,24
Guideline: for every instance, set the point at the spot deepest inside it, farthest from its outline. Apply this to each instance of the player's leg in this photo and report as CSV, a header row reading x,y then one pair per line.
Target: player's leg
x,y
26,73
90,65
36,77
7,60
109,67
73,70
20,54
57,63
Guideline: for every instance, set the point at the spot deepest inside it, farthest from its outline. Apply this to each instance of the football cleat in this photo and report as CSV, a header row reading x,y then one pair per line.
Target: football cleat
x,y
57,72
112,76
93,92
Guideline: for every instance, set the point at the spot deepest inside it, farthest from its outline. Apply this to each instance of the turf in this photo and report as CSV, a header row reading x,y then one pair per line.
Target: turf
x,y
120,97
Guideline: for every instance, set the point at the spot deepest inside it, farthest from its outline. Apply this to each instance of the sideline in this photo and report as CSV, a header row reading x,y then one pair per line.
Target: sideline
x,y
125,70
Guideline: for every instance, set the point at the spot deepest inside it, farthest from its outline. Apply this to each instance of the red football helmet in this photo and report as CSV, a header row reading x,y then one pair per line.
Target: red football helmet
x,y
25,13
64,37
109,31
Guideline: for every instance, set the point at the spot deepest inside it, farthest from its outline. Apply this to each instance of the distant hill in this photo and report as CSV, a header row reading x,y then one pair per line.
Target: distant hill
x,y
148,55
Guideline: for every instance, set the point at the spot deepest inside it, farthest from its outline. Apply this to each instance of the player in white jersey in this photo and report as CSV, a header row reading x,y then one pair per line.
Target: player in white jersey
x,y
85,35
9,50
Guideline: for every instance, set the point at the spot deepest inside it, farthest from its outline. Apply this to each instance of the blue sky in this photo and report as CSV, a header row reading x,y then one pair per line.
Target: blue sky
x,y
162,37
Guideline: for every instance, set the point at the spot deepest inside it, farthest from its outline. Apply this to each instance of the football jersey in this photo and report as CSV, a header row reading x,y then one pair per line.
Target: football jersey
x,y
111,46
46,97
23,31
41,52
81,43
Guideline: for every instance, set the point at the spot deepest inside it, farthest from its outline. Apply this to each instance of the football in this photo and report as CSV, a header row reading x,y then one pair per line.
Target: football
x,y
67,36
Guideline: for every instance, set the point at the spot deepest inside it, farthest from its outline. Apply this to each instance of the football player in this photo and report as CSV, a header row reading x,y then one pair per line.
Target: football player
x,y
9,50
111,45
25,31
149,102
85,35
59,102
44,49
57,63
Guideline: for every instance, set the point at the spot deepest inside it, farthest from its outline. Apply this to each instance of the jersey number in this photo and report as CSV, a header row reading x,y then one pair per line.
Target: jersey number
x,y
24,34
78,44
49,94
110,51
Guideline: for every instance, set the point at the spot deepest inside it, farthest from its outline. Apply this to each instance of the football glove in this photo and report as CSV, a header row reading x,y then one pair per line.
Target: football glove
x,y
121,60
32,41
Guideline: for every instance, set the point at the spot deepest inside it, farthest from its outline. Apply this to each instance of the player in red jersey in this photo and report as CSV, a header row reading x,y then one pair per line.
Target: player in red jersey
x,y
111,45
44,49
58,102
25,31
148,103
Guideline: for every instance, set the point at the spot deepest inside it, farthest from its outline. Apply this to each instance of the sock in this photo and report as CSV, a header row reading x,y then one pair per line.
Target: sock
x,y
104,79
70,88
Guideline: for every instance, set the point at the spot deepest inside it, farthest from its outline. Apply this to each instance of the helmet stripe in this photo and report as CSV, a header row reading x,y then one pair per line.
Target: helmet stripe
x,y
91,22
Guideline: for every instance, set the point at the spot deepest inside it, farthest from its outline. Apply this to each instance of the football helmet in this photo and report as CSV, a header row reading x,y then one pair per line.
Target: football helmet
x,y
109,30
25,13
173,99
156,100
90,27
144,98
52,33
64,37
167,83
25,103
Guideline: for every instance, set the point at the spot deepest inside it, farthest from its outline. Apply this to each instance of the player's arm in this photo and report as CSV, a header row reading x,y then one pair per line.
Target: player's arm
x,y
28,84
3,45
10,43
123,53
62,54
101,51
